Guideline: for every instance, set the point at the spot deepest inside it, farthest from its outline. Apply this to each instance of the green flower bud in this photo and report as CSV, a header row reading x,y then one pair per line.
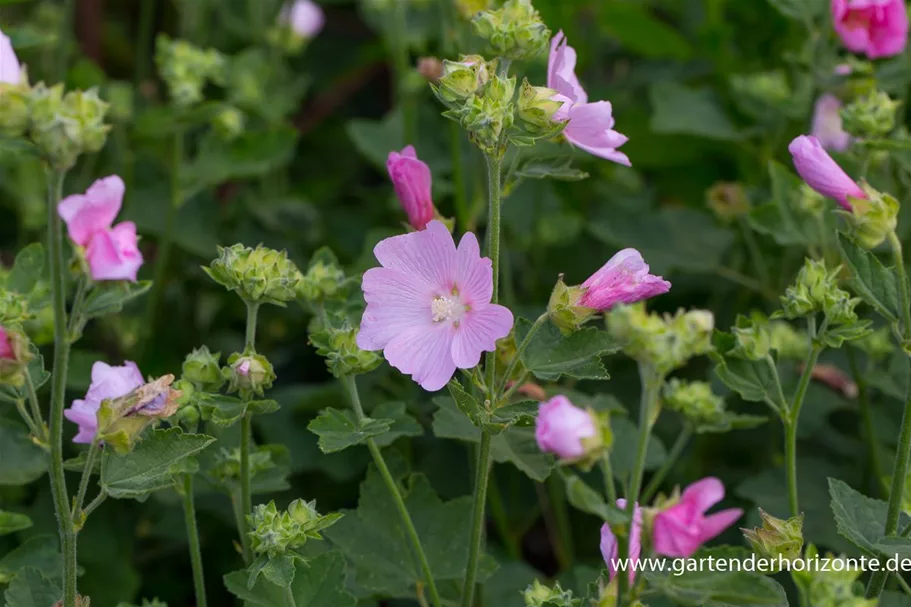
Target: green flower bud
x,y
259,275
186,69
539,595
203,370
14,308
488,116
65,126
274,533
873,218
787,341
834,585
15,356
728,201
229,123
514,31
462,79
664,342
324,279
343,357
753,339
870,116
121,420
120,96
815,290
249,373
694,400
564,308
776,537
536,108
14,110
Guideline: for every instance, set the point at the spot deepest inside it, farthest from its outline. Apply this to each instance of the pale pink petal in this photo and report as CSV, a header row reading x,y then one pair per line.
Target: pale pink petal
x,y
305,18
822,173
424,353
704,493
591,129
107,382
561,70
478,332
395,303
428,255
474,274
561,426
827,124
114,254
10,69
94,211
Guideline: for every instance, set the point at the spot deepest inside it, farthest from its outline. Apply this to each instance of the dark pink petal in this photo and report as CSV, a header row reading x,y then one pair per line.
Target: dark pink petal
x,y
413,182
704,494
822,173
6,348
713,525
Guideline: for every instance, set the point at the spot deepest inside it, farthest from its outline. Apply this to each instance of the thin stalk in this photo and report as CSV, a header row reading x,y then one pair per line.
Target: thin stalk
x,y
399,47
900,469
189,515
901,582
392,486
88,510
76,309
790,451
58,388
144,41
501,520
246,442
782,401
32,427
679,445
875,462
289,597
460,196
762,271
94,450
521,350
66,31
607,470
561,518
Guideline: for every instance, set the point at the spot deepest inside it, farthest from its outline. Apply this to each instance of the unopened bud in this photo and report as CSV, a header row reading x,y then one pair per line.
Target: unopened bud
x,y
203,369
870,116
536,109
787,341
539,595
462,79
14,356
777,537
249,373
14,110
871,218
564,308
324,279
343,357
65,126
259,275
186,69
515,31
753,340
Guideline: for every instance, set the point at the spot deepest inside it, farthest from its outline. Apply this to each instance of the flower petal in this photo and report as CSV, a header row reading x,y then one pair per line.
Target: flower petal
x,y
395,303
704,494
428,256
424,353
474,274
713,525
478,332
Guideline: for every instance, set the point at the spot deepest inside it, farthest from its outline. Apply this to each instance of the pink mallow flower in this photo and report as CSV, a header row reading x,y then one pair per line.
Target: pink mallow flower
x,y
591,125
827,124
412,180
304,17
609,544
10,70
111,252
624,279
428,307
561,428
6,347
822,173
681,529
877,28
107,382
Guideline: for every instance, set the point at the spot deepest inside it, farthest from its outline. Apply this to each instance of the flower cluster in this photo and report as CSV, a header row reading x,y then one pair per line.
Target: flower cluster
x,y
259,275
111,252
694,399
187,69
273,532
664,342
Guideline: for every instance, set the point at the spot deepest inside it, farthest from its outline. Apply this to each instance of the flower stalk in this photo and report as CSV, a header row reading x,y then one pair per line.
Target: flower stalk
x,y
189,513
246,440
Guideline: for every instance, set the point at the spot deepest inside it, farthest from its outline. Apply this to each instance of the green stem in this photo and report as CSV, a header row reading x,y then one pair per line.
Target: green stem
x,y
399,47
289,597
460,196
901,582
144,41
73,326
875,462
607,471
501,520
790,452
762,271
88,510
351,387
521,350
189,514
250,333
246,442
561,518
900,468
679,445
58,387
32,426
90,458
782,401
66,30
482,474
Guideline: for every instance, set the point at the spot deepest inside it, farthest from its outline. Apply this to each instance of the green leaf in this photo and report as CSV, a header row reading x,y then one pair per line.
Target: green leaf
x,y
560,169
859,518
279,570
551,354
641,33
31,589
718,588
28,269
584,498
801,10
403,424
109,297
730,421
522,414
21,461
753,380
516,445
679,110
781,218
466,403
339,429
41,552
875,283
11,522
321,582
151,465
373,539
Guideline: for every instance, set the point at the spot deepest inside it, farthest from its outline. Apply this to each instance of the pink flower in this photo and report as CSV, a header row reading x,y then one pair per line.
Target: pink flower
x,y
412,180
590,125
877,28
681,529
6,347
305,17
107,382
624,279
561,427
428,307
10,70
609,544
827,124
822,173
113,254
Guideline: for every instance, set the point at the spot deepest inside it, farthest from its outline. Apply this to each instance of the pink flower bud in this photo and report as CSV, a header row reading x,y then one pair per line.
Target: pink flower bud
x,y
243,368
412,180
10,70
609,544
624,279
94,211
877,28
679,531
305,17
822,173
6,348
561,428
107,382
113,254
827,124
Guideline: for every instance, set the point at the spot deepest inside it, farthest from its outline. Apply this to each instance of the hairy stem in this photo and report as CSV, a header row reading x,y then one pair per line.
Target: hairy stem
x,y
91,456
246,441
520,349
607,471
875,461
460,195
790,447
189,514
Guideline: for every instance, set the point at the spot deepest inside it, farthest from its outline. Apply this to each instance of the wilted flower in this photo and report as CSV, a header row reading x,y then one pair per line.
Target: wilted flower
x,y
834,378
107,383
412,180
10,70
430,68
679,530
590,125
304,17
428,307
609,543
827,124
822,173
877,28
565,430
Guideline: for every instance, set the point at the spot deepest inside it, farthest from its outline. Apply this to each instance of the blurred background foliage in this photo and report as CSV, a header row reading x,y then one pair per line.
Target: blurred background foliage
x,y
709,93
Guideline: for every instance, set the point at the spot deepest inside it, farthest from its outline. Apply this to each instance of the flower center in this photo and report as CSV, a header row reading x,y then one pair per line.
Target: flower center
x,y
446,308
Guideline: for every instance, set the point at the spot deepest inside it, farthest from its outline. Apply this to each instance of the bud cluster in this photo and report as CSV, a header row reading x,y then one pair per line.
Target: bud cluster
x,y
694,400
664,342
259,275
871,218
514,31
324,278
539,595
816,290
226,469
776,538
752,338
871,115
274,532
63,126
343,356
186,69
14,109
787,341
